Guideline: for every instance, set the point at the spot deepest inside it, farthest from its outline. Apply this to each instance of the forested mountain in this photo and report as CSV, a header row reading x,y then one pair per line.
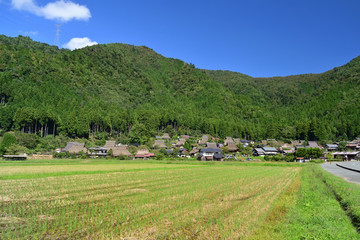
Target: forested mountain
x,y
118,88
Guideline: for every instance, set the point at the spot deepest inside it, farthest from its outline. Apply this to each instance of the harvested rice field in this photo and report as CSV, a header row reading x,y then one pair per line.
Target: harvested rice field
x,y
141,200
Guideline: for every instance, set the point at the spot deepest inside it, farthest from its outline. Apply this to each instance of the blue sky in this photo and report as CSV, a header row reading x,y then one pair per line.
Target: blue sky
x,y
260,38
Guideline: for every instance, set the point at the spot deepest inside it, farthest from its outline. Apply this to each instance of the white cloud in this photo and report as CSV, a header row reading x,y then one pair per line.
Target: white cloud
x,y
77,43
60,10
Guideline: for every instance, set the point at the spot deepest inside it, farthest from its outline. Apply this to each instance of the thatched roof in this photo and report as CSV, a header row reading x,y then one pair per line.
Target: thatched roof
x,y
110,144
228,140
194,151
232,147
180,142
204,139
159,143
313,144
74,147
166,136
142,151
211,145
120,150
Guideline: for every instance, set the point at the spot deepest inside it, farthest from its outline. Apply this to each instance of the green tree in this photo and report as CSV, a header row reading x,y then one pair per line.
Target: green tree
x,y
7,140
139,134
16,149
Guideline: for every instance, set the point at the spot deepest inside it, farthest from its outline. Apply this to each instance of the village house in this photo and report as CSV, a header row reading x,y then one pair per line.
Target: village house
x,y
159,144
207,154
232,147
245,143
144,154
194,152
74,148
117,150
312,144
165,136
228,140
204,140
180,142
211,145
95,152
347,156
258,152
270,151
331,147
183,153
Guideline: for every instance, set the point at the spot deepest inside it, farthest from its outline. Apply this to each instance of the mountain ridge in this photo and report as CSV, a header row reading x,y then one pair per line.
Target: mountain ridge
x,y
119,88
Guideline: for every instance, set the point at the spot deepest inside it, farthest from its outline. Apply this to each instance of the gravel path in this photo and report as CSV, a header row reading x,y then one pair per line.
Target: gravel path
x,y
348,175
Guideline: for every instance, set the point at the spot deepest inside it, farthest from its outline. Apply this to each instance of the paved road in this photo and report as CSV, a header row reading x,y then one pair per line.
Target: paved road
x,y
348,175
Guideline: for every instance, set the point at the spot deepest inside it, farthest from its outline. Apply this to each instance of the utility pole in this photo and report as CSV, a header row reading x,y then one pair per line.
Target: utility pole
x,y
57,38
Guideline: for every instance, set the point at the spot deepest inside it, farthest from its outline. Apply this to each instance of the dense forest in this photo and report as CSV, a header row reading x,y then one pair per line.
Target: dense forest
x,y
119,89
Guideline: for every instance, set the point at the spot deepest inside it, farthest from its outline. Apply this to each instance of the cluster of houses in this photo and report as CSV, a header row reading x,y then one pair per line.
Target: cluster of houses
x,y
352,148
209,148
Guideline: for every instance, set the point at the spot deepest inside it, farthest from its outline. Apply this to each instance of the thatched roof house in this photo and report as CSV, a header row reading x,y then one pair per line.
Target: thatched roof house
x,y
74,147
228,140
166,136
110,144
144,153
211,145
159,144
194,151
121,150
312,144
117,150
232,147
180,142
204,139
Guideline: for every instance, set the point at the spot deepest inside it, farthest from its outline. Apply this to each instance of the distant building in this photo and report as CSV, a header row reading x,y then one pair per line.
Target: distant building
x,y
331,147
211,154
159,144
347,155
270,151
95,152
74,148
144,154
211,145
117,150
232,147
312,144
180,142
228,140
204,140
166,136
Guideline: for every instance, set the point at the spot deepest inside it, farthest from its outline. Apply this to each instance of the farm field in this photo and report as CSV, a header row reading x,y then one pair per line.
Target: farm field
x,y
155,200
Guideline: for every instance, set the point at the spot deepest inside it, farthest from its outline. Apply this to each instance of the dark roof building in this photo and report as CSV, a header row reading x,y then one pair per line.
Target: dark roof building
x,y
331,147
211,154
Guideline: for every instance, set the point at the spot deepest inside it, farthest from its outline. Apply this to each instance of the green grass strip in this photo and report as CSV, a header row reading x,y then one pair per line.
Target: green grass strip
x,y
315,214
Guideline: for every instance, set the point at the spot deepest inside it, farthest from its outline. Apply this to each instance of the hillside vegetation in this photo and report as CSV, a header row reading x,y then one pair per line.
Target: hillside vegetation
x,y
123,89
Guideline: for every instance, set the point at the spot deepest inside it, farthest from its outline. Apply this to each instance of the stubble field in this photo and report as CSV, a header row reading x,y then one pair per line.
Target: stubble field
x,y
143,200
